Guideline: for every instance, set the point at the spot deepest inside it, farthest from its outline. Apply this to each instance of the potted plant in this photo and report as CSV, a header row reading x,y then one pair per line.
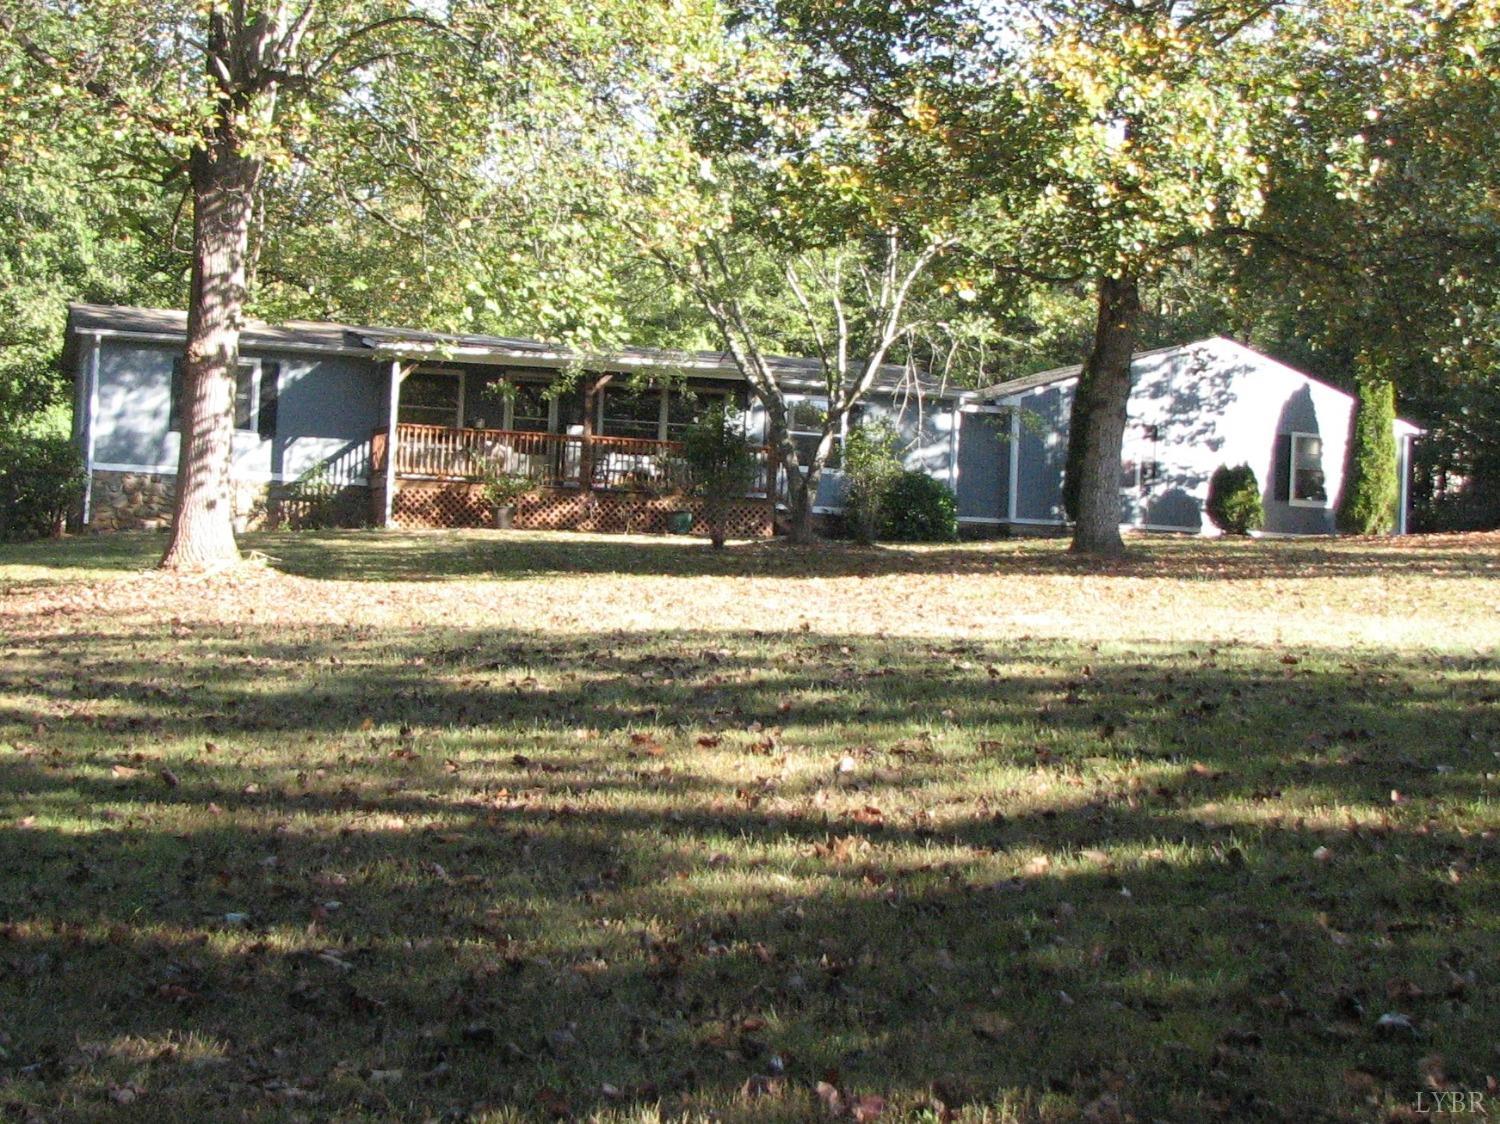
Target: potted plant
x,y
501,490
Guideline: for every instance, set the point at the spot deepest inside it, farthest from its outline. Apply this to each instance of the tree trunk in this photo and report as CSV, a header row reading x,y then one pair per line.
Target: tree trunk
x,y
224,181
799,502
1097,430
225,178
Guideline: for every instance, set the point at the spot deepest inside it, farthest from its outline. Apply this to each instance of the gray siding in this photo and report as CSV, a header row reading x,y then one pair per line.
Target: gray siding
x,y
1044,453
135,400
1191,410
328,407
1217,403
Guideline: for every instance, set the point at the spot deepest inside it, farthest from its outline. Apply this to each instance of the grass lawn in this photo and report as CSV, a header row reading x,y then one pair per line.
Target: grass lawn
x,y
510,827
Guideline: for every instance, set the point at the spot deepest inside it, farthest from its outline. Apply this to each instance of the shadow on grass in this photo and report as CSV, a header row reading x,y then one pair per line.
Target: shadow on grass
x,y
398,875
382,556
446,555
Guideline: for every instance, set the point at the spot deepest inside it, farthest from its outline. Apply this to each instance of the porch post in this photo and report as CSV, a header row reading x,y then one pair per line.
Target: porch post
x,y
586,431
586,437
393,400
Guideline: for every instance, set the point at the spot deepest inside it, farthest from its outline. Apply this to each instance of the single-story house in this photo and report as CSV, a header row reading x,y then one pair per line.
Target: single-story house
x,y
392,427
388,427
1193,408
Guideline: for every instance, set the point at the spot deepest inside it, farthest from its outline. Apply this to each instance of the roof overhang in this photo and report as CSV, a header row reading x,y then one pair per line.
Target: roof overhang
x,y
394,344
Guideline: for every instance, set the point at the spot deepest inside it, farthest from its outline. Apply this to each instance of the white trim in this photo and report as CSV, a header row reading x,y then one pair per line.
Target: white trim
x,y
722,394
393,402
251,476
92,423
1040,522
1291,478
514,385
981,519
976,408
955,423
256,370
1015,462
1403,498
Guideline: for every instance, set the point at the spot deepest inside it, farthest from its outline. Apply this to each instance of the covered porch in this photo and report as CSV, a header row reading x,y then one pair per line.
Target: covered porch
x,y
430,476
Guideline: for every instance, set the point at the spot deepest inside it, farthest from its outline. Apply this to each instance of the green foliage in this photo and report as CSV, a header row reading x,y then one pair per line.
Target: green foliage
x,y
722,463
871,466
1234,502
41,481
1378,237
503,489
919,509
1371,488
67,233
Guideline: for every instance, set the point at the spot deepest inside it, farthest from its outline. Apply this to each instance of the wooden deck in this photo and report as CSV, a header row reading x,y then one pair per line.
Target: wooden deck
x,y
583,482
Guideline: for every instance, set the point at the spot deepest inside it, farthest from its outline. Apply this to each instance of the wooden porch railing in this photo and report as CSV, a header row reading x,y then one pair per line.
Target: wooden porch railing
x,y
551,459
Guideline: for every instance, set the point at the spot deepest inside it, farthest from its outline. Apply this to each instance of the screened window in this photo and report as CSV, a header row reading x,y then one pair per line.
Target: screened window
x,y
1308,484
431,398
631,414
684,407
485,403
530,409
804,423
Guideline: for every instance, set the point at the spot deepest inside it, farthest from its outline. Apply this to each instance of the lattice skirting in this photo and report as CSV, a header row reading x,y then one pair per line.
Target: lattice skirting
x,y
428,503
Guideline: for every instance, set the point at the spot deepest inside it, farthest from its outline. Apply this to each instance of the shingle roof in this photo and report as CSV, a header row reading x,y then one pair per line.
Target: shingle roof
x,y
317,335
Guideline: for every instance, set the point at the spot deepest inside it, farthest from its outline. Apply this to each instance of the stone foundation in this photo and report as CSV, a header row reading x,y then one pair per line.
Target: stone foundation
x,y
142,501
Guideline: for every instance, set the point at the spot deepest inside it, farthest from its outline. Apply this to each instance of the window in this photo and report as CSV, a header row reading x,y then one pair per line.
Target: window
x,y
1140,468
256,391
1308,485
499,402
246,396
626,413
530,409
684,407
804,422
431,398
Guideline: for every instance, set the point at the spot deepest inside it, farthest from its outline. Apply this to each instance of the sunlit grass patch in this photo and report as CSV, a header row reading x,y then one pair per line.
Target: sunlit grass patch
x,y
510,827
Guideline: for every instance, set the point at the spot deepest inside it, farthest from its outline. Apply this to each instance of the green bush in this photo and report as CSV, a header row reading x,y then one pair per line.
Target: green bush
x,y
503,489
1371,487
1234,502
41,480
871,466
919,509
722,464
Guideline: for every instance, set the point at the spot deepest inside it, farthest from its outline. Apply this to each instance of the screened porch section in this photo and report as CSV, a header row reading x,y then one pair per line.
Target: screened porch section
x,y
601,457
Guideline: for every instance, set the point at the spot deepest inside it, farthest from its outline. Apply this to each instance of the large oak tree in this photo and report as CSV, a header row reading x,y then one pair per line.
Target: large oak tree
x,y
225,93
1149,138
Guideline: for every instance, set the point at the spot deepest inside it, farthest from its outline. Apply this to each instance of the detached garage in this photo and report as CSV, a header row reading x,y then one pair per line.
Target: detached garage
x,y
1193,408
